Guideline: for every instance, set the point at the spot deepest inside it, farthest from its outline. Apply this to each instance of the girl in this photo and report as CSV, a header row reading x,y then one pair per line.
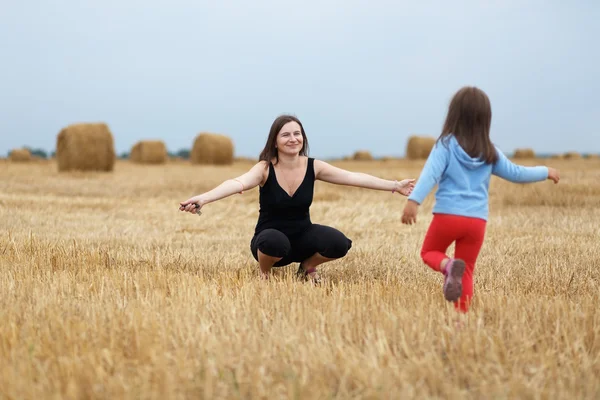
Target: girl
x,y
461,163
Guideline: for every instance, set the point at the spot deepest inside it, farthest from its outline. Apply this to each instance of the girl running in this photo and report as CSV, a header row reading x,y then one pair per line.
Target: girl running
x,y
461,164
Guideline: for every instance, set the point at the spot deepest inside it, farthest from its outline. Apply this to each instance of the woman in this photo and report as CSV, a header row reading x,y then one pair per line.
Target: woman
x,y
286,175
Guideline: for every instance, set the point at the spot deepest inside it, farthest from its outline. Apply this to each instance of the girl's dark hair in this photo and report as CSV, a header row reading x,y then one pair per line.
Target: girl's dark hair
x,y
270,151
469,119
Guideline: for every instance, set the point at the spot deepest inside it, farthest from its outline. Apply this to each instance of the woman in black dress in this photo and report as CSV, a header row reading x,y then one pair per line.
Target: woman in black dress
x,y
284,232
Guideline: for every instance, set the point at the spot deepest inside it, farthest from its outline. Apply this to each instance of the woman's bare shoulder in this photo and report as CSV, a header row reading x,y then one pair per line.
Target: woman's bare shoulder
x,y
262,167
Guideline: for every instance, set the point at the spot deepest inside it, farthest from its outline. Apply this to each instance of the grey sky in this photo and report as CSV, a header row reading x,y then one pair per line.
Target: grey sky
x,y
358,74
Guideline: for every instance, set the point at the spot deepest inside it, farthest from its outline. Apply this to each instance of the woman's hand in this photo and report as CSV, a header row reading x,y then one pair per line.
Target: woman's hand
x,y
192,205
409,216
405,187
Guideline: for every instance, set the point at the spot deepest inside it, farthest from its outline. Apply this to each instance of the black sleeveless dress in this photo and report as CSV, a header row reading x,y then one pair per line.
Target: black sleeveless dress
x,y
284,229
278,210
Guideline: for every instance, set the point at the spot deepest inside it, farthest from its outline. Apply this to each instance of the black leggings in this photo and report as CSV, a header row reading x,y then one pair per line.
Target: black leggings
x,y
326,241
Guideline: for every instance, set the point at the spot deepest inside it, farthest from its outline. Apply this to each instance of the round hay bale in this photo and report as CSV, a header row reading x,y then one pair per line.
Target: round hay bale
x,y
362,155
524,153
557,156
593,156
572,155
419,147
135,153
20,155
149,152
85,147
211,148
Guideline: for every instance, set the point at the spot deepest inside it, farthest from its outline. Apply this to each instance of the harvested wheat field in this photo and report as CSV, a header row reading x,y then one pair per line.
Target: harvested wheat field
x,y
108,291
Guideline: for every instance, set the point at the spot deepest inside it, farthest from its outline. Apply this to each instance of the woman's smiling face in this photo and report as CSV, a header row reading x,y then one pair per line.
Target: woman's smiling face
x,y
289,139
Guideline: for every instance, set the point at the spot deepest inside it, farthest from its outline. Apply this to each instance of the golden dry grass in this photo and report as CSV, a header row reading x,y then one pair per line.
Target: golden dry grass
x,y
108,291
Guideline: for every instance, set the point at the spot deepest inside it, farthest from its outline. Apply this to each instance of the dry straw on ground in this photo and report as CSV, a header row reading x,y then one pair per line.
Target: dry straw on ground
x,y
210,148
524,153
248,160
177,159
85,147
419,147
362,155
20,155
149,152
108,291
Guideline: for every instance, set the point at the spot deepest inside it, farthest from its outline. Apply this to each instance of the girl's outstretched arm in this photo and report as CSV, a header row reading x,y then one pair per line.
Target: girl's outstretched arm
x,y
247,181
328,173
506,169
432,172
430,176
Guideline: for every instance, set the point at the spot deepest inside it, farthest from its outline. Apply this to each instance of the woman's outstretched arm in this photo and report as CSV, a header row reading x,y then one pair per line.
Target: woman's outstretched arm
x,y
328,173
247,181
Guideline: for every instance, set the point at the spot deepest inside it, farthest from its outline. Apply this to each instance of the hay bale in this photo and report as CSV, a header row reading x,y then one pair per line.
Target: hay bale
x,y
20,155
419,147
135,155
572,155
362,155
211,148
524,153
593,156
85,147
149,152
557,156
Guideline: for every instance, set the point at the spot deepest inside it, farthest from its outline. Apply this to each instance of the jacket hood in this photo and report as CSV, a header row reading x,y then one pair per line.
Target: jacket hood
x,y
462,156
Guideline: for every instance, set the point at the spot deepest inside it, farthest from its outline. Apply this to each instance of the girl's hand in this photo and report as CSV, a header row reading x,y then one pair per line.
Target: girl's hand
x,y
405,187
409,216
192,205
553,175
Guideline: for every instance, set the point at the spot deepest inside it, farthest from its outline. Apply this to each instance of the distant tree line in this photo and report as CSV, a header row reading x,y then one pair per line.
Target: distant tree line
x,y
182,153
41,153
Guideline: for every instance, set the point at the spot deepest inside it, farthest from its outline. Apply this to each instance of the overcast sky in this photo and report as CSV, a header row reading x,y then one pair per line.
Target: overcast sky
x,y
358,74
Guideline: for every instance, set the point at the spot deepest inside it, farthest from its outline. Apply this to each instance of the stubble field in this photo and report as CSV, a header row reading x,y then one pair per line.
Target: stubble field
x,y
108,291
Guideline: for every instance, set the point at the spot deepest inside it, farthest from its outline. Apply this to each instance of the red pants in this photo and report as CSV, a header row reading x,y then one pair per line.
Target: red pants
x,y
468,233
